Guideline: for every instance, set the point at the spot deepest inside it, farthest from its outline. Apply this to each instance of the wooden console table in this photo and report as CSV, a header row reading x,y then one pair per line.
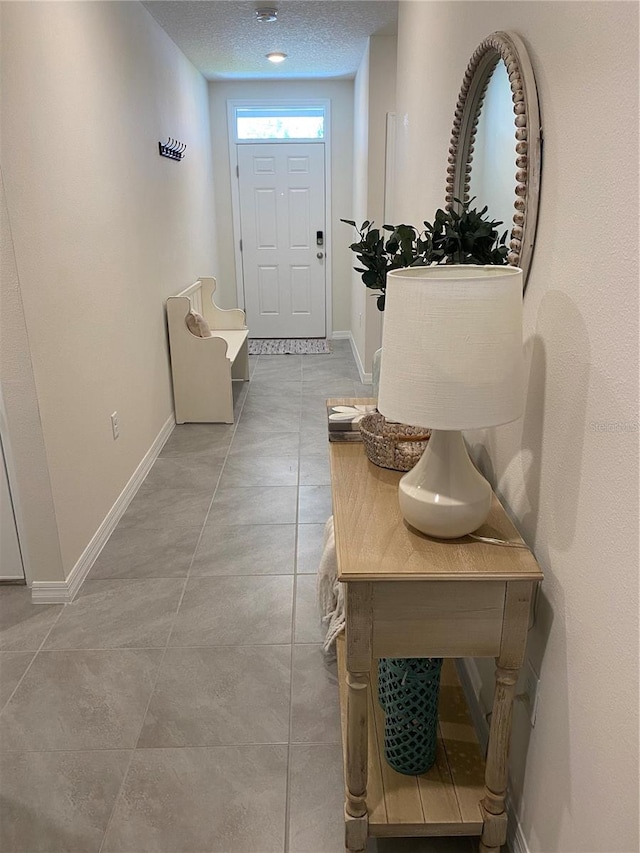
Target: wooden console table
x,y
411,596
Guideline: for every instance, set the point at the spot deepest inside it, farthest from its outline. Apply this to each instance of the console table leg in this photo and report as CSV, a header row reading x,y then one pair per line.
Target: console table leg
x,y
494,833
356,832
356,821
358,660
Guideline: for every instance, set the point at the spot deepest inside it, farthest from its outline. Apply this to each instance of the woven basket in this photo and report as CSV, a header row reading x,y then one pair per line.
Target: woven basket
x,y
391,445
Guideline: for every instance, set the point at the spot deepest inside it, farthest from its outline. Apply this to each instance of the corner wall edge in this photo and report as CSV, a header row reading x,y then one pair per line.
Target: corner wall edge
x,y
63,592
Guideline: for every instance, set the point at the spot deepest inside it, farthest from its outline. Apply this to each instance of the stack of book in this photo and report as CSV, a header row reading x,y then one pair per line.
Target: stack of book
x,y
344,416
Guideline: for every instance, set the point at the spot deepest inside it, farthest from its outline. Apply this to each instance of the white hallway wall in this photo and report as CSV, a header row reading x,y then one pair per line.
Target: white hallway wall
x,y
21,426
571,487
374,97
382,100
359,208
103,230
340,93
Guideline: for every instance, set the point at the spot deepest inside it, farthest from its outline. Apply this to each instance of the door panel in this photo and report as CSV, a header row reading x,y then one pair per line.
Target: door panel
x,y
264,166
299,219
268,290
301,290
266,219
282,206
298,165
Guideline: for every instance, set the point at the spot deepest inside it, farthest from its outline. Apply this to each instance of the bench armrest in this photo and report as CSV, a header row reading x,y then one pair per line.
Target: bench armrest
x,y
219,318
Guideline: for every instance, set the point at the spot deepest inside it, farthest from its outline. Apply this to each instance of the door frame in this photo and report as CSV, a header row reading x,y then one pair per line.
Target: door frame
x,y
266,103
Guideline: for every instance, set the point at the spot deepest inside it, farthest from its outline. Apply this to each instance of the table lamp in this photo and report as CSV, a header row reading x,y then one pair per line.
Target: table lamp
x,y
451,360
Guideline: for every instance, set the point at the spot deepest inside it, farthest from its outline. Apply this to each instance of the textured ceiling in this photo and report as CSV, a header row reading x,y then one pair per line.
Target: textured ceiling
x,y
225,42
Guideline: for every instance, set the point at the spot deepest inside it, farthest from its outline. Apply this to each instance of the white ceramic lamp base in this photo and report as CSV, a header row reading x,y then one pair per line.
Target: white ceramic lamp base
x,y
444,495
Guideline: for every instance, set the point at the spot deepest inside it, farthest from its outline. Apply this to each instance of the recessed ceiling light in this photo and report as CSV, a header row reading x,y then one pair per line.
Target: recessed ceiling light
x,y
276,56
266,16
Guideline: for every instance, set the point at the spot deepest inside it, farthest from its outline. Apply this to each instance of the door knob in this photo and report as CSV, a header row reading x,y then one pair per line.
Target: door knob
x,y
319,256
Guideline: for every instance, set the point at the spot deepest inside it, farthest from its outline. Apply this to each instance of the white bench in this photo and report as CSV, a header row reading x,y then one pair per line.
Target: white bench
x,y
204,368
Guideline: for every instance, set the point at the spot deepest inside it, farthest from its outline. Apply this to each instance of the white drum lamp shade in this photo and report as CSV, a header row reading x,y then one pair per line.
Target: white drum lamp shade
x,y
451,360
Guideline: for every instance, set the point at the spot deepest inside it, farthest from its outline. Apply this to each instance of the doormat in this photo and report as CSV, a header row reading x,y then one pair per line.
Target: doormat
x,y
288,346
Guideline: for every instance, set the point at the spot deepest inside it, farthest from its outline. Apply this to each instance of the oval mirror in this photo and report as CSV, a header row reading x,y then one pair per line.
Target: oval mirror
x,y
495,151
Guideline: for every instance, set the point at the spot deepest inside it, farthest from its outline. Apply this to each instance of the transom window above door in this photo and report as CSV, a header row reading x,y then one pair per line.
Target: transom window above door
x,y
254,124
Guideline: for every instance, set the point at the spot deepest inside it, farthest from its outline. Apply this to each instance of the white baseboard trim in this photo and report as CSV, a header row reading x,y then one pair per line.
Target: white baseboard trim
x,y
63,592
365,378
471,684
516,842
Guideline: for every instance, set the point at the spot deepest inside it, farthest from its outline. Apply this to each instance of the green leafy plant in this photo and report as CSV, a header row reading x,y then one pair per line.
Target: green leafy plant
x,y
465,237
379,252
468,237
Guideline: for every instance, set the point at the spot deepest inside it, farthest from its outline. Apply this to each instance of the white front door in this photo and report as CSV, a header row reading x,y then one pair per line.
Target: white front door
x,y
282,219
10,558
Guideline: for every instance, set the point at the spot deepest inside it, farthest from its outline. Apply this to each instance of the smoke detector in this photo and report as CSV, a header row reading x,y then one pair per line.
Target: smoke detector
x,y
266,16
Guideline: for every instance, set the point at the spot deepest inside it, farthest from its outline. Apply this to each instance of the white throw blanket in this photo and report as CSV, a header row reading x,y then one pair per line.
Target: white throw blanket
x,y
330,592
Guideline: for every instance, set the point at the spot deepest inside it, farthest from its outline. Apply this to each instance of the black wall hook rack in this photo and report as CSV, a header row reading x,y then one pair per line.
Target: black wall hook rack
x,y
172,149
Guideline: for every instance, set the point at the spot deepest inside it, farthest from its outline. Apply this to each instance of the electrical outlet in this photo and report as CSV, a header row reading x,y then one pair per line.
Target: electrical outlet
x,y
115,425
532,691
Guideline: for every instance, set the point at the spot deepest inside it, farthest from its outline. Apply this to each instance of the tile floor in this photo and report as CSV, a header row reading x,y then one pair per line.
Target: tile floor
x,y
181,704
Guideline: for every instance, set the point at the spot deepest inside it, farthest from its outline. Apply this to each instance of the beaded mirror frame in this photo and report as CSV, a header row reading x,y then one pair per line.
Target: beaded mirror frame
x,y
527,152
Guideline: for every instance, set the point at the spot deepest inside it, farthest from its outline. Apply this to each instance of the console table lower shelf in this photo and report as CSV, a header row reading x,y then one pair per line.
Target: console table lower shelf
x,y
444,801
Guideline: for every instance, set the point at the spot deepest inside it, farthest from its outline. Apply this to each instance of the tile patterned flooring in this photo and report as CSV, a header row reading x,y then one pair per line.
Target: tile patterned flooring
x,y
181,704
